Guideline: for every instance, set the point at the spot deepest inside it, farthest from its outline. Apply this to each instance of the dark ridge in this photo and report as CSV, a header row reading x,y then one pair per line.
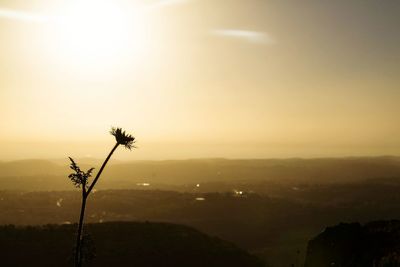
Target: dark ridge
x,y
141,244
355,245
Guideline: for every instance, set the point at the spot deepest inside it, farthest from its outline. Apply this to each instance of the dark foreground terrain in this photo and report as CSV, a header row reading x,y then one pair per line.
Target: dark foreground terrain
x,y
375,244
271,208
121,244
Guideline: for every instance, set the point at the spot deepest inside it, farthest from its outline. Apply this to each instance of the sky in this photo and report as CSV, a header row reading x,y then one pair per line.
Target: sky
x,y
200,78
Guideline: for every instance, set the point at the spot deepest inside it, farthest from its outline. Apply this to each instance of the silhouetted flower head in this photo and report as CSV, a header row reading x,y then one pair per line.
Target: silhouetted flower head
x,y
123,138
80,177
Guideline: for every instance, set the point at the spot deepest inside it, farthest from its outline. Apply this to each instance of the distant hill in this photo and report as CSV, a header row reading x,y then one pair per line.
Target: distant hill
x,y
49,175
121,244
375,244
30,167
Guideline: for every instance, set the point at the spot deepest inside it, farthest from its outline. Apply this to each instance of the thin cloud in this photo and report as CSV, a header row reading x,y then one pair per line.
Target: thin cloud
x,y
248,36
166,3
6,13
21,15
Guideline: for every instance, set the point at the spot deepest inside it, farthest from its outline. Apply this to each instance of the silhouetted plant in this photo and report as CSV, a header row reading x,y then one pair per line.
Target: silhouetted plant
x,y
81,180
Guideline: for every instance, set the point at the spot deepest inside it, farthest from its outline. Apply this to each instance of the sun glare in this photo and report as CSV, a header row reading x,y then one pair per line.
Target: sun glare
x,y
94,35
90,29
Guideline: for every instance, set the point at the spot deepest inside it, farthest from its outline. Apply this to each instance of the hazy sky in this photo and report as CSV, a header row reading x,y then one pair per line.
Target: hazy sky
x,y
200,78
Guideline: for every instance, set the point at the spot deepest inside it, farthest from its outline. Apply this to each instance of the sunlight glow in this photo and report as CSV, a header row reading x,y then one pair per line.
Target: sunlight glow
x,y
92,33
93,29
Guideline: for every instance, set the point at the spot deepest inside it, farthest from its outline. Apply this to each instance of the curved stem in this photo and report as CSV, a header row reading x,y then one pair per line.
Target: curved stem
x,y
85,194
101,169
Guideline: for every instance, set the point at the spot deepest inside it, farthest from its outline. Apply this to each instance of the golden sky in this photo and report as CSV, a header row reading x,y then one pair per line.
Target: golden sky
x,y
200,78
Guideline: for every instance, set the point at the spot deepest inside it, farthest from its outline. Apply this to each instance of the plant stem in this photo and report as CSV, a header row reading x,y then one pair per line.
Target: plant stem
x,y
85,194
101,169
78,249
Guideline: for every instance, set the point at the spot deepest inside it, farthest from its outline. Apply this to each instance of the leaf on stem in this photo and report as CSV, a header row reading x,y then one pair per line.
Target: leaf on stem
x,y
79,178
